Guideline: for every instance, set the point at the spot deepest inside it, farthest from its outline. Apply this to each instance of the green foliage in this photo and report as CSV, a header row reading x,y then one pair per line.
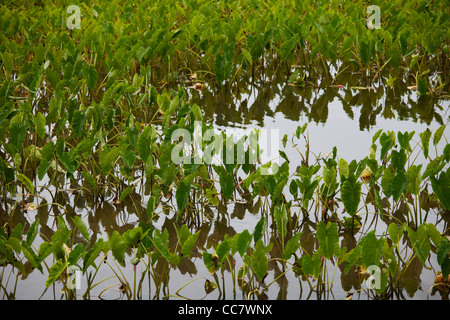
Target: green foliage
x,y
443,256
258,260
371,249
441,186
281,220
350,195
85,109
226,184
328,238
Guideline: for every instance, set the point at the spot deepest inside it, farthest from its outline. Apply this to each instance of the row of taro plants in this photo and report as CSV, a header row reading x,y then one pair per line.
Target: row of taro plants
x,y
95,43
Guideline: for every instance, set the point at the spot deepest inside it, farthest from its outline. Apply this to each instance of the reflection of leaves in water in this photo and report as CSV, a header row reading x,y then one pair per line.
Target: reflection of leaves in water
x,y
250,102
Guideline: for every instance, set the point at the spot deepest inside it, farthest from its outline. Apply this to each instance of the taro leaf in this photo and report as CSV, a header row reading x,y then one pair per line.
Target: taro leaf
x,y
163,101
128,157
44,250
293,188
413,62
67,162
422,86
169,174
421,242
328,238
259,229
32,232
434,234
61,227
6,110
291,246
77,122
223,249
395,232
183,234
88,177
210,286
386,182
415,178
307,188
43,168
126,192
255,44
85,146
143,144
31,256
352,258
40,125
287,48
425,139
312,265
197,112
8,63
174,259
394,57
441,188
17,135
364,52
247,56
398,159
160,245
132,236
411,234
443,256
219,65
281,219
91,76
76,254
118,247
372,249
55,271
258,261
399,182
404,138
141,52
343,168
188,245
350,195
226,184
15,244
150,207
92,254
210,261
17,231
81,226
434,167
378,202
26,181
376,135
438,134
243,241
107,158
132,135
329,178
422,248
182,195
386,141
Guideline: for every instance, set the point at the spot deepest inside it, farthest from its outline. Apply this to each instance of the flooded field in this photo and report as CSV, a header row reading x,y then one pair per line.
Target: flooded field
x,y
178,151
